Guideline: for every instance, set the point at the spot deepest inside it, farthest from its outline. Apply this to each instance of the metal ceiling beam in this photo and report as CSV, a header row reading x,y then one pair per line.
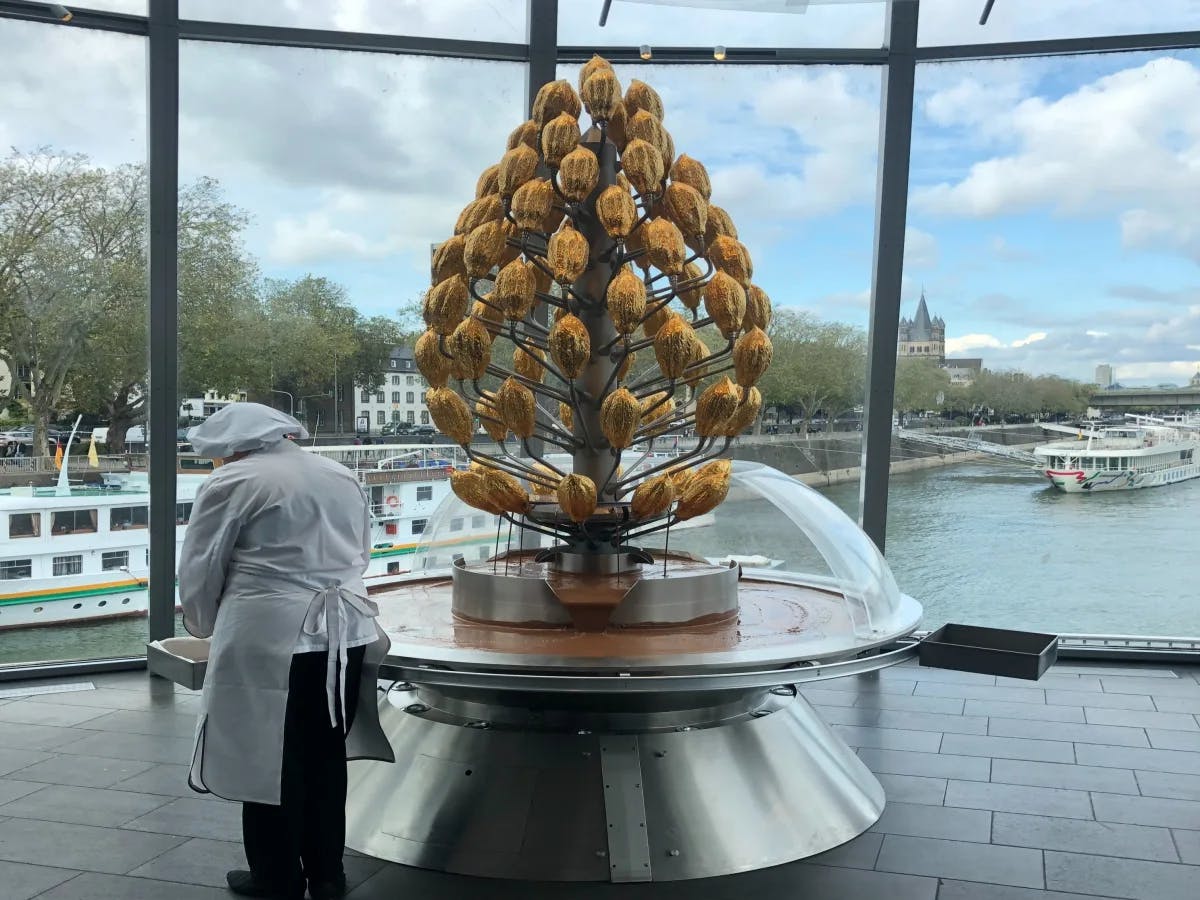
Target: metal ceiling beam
x,y
1113,43
733,55
81,18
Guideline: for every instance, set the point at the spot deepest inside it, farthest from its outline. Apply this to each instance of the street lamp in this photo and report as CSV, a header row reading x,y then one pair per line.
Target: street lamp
x,y
291,402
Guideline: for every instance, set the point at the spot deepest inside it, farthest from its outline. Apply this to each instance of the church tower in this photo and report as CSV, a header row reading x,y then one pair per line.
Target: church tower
x,y
922,337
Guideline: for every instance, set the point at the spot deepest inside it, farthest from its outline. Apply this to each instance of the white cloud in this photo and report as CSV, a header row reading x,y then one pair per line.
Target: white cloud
x,y
967,342
313,238
1031,339
1096,334
920,249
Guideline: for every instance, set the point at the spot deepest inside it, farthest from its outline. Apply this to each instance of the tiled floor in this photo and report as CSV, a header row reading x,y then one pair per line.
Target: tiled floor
x,y
1085,784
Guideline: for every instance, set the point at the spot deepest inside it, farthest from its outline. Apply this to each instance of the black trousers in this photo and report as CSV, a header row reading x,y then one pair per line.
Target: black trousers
x,y
305,836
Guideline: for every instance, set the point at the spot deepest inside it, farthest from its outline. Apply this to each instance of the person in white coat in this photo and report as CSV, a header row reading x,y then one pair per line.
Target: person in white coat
x,y
271,568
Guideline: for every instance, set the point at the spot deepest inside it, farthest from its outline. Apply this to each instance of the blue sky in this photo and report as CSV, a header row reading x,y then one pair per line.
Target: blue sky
x,y
1052,212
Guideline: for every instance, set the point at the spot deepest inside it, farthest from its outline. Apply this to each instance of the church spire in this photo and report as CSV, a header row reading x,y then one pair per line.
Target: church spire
x,y
922,323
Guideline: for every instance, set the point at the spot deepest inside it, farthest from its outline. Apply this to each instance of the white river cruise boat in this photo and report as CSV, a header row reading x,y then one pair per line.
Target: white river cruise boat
x,y
1144,452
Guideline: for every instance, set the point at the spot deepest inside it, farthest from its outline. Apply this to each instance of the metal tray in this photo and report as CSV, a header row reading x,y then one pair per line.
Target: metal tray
x,y
182,660
989,651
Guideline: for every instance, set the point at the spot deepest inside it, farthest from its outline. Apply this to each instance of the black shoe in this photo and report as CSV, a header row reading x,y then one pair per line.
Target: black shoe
x,y
244,883
330,889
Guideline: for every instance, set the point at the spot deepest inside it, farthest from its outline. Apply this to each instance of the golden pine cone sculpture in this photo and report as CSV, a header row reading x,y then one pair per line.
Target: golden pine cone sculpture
x,y
686,208
639,96
751,356
527,362
567,254
620,415
517,407
470,349
758,308
448,258
626,299
652,497
430,362
559,137
517,166
642,164
746,413
664,245
601,94
616,211
532,204
578,174
718,224
488,208
643,126
553,99
488,182
577,495
484,248
730,256
591,67
725,302
692,171
689,286
526,133
716,404
570,345
446,304
450,414
673,346
514,291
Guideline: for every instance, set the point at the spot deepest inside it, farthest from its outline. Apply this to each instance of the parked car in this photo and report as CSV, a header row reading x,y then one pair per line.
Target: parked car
x,y
396,428
19,441
423,431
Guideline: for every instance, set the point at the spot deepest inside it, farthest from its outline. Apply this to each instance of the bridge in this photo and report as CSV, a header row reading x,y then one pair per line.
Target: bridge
x,y
1128,399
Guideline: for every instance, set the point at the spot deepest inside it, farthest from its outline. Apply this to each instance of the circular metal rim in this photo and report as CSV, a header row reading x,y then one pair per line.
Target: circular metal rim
x,y
413,654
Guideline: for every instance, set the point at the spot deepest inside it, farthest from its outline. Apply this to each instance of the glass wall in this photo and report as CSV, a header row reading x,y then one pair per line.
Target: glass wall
x,y
1052,197
73,340
945,22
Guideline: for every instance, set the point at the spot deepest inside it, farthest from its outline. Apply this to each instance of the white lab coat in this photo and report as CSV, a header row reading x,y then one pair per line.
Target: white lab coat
x,y
277,542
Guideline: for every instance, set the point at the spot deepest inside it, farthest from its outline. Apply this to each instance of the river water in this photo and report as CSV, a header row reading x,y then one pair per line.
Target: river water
x,y
981,543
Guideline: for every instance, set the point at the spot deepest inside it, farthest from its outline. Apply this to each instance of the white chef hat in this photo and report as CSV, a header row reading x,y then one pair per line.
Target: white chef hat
x,y
241,427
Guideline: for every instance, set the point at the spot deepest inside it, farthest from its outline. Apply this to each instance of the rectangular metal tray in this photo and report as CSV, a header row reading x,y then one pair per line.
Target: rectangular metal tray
x,y
989,651
182,660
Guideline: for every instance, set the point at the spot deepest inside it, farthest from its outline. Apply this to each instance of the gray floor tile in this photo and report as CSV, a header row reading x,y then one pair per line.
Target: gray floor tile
x,y
193,818
1187,842
12,760
961,859
819,697
1008,748
12,789
930,765
1116,735
88,847
137,681
1133,758
928,673
1147,810
153,748
1062,682
949,823
1064,775
1029,711
22,881
950,724
1190,705
161,779
980,692
1157,687
91,886
1117,670
847,715
82,805
1019,798
37,737
1142,719
1170,785
131,721
155,697
859,853
972,890
1110,877
197,861
913,788
951,706
889,738
1079,836
1098,701
1174,740
864,684
85,771
31,712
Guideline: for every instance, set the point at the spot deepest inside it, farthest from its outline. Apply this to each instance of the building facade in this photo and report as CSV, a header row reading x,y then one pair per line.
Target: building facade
x,y
922,337
400,398
1105,375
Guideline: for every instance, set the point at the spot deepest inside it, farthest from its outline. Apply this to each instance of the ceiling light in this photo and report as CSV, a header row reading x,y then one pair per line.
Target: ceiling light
x,y
645,51
718,53
60,12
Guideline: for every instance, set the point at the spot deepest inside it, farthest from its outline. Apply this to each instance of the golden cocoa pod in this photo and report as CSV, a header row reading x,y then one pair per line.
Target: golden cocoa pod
x,y
748,263
719,468
486,311
643,165
751,356
559,137
718,224
673,346
668,150
430,361
577,494
517,166
448,258
681,477
484,248
514,289
567,254
578,174
635,249
532,203
758,308
652,497
526,133
702,495
450,414
730,257
553,99
541,280
639,96
552,222
626,298
489,418
505,492
488,208
616,211
746,413
624,183
570,345
617,121
696,370
689,286
626,361
656,321
566,415
547,484
656,407
715,405
692,171
489,182
725,302
446,304
527,362
664,245
470,349
470,489
684,206
619,417
601,93
517,407
643,126
591,67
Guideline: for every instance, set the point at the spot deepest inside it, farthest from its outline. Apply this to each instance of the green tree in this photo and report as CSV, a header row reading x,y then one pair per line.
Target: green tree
x,y
817,365
919,383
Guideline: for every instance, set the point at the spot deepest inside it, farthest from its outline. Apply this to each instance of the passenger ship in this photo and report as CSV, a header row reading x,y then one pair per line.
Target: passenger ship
x,y
1144,452
83,554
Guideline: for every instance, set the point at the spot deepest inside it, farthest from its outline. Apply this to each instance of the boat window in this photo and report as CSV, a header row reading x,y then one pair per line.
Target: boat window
x,y
476,521
483,553
418,526
68,565
456,524
393,568
123,518
183,513
11,569
73,521
425,493
25,525
114,560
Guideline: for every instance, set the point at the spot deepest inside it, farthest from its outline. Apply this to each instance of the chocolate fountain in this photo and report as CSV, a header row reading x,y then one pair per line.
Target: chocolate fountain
x,y
592,701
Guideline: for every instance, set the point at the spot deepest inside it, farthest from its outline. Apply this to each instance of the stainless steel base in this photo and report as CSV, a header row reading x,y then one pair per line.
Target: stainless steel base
x,y
484,786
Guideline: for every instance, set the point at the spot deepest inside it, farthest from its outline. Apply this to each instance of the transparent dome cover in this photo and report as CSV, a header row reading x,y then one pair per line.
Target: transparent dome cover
x,y
769,524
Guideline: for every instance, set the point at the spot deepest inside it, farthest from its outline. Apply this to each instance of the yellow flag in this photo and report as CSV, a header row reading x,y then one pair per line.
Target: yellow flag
x,y
58,457
93,459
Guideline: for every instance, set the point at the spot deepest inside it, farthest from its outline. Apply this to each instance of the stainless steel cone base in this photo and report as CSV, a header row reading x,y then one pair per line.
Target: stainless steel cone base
x,y
487,787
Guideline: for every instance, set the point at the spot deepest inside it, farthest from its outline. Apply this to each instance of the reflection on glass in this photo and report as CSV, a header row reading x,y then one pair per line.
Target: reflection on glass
x,y
944,22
